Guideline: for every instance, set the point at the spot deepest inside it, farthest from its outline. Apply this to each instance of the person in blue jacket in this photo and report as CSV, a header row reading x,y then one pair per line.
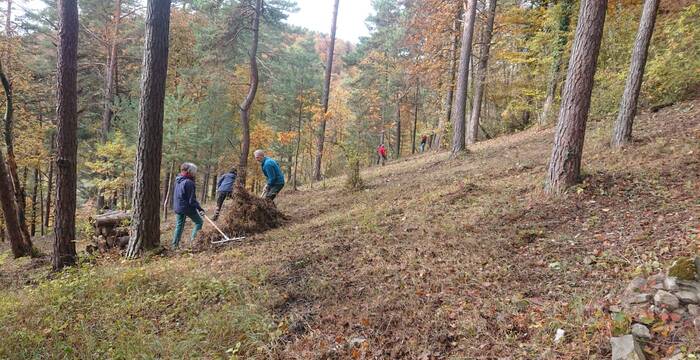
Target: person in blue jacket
x,y
224,188
273,173
185,204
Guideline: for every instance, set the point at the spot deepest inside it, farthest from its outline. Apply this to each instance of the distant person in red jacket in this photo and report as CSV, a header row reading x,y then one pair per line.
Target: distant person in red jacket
x,y
423,141
381,151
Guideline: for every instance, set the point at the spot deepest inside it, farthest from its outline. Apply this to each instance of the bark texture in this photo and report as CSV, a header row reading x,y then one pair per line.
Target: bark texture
x,y
565,163
449,94
326,94
21,245
482,67
622,133
66,136
559,46
145,222
398,126
111,74
248,101
460,106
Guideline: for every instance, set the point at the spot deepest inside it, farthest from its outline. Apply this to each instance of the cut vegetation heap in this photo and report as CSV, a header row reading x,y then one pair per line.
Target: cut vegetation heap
x,y
245,215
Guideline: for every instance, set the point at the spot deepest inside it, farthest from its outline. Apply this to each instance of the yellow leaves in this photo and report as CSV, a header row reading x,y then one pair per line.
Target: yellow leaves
x,y
261,136
286,137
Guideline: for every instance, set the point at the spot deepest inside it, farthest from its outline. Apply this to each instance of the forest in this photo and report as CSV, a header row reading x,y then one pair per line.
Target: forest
x,y
472,179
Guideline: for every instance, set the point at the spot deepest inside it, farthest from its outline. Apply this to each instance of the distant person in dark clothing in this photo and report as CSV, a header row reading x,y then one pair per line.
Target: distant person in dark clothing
x,y
224,188
185,204
273,173
423,141
381,151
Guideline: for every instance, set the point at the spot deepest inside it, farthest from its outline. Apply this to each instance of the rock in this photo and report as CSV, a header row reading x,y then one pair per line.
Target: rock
x,y
678,356
638,299
696,323
697,267
657,278
615,309
671,284
559,336
693,286
665,299
687,297
636,285
626,348
641,332
681,311
694,310
683,269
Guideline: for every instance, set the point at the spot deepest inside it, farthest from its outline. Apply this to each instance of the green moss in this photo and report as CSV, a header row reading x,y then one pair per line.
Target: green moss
x,y
683,269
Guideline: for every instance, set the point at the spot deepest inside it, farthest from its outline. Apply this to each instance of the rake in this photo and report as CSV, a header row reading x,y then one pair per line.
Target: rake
x,y
226,238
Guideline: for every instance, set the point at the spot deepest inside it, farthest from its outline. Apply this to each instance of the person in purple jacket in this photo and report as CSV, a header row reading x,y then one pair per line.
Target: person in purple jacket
x,y
185,204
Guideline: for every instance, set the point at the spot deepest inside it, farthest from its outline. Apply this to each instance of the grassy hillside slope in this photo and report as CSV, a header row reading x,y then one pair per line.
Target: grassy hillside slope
x,y
436,258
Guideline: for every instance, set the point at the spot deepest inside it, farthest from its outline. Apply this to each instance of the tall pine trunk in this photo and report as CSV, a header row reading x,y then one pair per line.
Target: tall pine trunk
x,y
111,74
326,94
565,163
398,126
460,112
446,117
559,46
415,118
66,137
145,223
298,145
622,133
49,180
35,193
248,101
20,243
481,71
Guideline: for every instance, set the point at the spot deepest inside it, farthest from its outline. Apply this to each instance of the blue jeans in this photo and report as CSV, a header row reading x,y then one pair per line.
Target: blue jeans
x,y
180,225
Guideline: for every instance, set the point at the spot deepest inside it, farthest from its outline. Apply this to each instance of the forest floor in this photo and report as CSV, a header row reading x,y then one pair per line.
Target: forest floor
x,y
436,259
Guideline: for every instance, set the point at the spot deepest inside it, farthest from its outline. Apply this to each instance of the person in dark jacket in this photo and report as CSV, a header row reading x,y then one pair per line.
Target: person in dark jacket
x,y
185,204
224,188
273,173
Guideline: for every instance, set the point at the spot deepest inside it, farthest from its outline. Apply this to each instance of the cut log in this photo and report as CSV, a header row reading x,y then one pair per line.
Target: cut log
x,y
112,219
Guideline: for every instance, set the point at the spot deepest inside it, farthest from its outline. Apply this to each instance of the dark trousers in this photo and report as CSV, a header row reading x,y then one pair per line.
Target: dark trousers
x,y
220,197
271,191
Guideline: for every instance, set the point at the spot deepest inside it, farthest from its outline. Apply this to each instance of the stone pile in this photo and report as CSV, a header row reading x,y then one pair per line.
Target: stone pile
x,y
672,296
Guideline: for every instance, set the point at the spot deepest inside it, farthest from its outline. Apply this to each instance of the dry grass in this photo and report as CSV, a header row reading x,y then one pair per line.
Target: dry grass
x,y
467,258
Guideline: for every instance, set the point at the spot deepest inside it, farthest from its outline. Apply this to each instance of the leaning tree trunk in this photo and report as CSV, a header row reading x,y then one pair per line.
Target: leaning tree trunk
x,y
66,137
16,183
21,245
326,95
110,84
248,101
145,222
449,94
622,133
559,46
460,111
481,70
565,163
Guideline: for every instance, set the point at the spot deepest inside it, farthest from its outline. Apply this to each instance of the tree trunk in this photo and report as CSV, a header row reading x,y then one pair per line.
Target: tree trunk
x,y
20,243
66,137
145,223
559,46
16,183
35,191
565,163
296,152
110,78
326,94
449,95
49,186
110,84
481,70
622,133
460,105
398,126
415,118
248,101
41,207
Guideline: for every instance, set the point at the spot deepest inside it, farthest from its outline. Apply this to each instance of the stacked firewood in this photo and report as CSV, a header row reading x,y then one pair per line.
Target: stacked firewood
x,y
111,230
